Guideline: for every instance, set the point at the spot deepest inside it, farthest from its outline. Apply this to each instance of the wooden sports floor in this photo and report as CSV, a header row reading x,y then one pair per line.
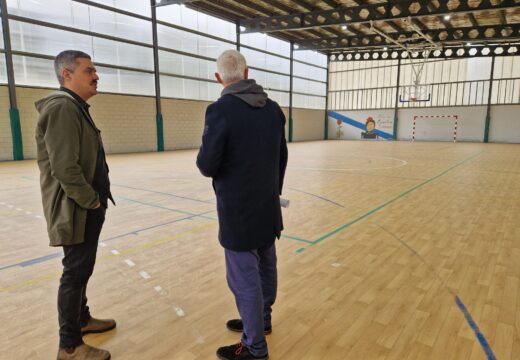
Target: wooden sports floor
x,y
391,250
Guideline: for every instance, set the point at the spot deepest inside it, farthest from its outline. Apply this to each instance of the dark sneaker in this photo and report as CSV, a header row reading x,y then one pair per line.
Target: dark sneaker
x,y
238,352
95,326
237,326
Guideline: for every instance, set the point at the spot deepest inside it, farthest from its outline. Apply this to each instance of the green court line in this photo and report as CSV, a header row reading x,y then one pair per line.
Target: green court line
x,y
367,214
297,239
202,216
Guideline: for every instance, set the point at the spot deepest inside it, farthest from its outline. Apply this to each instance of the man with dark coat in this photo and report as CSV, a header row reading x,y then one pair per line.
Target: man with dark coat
x,y
75,190
245,152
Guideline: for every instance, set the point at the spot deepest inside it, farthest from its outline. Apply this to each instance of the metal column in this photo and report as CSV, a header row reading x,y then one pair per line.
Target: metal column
x,y
158,116
396,107
326,131
488,113
14,114
291,93
238,34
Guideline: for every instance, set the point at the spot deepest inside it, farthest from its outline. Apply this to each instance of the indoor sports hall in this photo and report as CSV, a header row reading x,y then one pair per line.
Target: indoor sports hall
x,y
401,239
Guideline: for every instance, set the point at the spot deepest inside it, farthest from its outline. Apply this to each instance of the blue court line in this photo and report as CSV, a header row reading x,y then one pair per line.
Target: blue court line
x,y
55,255
40,259
169,209
33,261
45,258
162,193
482,340
18,188
8,267
341,228
205,217
358,124
317,196
135,232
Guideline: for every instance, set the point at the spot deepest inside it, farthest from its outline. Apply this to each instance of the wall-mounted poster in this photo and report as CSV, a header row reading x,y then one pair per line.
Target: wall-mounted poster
x,y
361,125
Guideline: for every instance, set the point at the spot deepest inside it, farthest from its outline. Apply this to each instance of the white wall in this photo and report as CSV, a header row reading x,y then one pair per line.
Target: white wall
x,y
478,68
471,123
505,124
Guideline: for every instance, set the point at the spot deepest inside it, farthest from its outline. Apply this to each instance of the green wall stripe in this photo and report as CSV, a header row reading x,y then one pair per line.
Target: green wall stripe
x,y
160,132
16,131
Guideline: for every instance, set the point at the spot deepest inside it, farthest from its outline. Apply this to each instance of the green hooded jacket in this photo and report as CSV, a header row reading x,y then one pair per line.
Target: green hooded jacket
x,y
67,147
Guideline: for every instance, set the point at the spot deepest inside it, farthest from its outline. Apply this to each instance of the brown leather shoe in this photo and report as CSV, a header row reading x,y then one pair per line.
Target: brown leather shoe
x,y
84,352
95,326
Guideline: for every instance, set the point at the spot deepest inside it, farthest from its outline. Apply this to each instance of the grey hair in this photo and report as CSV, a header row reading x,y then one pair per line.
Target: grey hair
x,y
231,65
67,60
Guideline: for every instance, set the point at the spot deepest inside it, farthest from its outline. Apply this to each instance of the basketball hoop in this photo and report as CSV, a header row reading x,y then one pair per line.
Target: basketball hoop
x,y
416,92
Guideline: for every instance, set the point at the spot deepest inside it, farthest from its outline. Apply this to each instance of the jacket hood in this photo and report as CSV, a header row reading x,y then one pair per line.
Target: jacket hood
x,y
248,91
40,104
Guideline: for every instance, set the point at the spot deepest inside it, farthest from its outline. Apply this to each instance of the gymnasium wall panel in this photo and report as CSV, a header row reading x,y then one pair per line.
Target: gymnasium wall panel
x,y
440,124
308,124
127,123
183,122
505,124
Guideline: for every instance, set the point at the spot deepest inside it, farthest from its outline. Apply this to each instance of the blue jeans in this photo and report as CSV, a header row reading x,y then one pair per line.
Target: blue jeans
x,y
252,277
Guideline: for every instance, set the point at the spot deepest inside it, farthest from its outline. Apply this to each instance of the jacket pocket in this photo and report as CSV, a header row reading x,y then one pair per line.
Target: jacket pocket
x,y
62,218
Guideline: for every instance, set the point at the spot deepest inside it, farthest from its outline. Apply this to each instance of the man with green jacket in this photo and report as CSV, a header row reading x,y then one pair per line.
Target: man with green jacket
x,y
75,190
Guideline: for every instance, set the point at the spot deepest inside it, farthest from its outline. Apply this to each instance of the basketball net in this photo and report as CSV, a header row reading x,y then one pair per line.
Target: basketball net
x,y
413,46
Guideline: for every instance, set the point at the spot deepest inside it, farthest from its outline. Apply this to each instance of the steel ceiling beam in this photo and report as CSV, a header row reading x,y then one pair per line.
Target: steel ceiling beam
x,y
364,13
473,20
172,2
463,34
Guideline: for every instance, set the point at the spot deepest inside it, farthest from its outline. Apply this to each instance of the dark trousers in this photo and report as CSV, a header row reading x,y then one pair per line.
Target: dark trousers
x,y
78,265
252,277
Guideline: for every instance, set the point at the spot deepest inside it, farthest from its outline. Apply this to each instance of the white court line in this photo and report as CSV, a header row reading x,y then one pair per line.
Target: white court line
x,y
144,275
129,262
179,311
115,252
402,163
198,336
28,212
336,265
38,217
